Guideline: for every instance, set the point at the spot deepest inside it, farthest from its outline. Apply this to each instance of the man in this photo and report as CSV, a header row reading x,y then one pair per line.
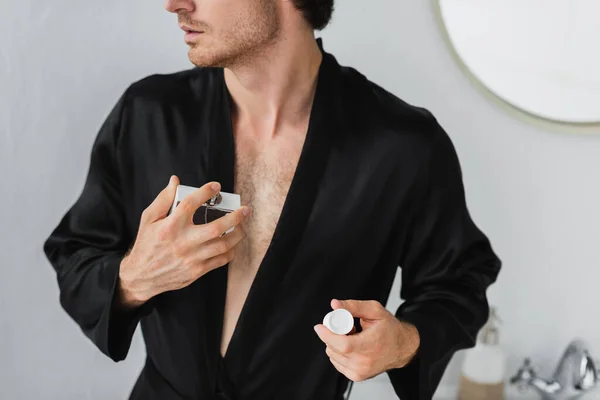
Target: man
x,y
344,182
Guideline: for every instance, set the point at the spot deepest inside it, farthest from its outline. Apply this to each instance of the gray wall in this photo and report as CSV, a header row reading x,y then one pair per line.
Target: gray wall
x,y
532,188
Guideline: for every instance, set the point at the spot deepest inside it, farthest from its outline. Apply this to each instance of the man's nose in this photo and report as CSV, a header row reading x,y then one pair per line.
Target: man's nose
x,y
175,6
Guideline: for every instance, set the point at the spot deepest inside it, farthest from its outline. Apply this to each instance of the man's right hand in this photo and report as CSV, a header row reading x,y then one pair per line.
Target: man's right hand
x,y
171,252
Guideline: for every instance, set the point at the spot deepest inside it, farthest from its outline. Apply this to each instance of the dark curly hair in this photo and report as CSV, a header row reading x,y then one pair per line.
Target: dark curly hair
x,y
316,12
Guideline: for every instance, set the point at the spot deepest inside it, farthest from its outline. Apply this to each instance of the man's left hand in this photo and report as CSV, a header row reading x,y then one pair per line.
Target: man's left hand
x,y
384,343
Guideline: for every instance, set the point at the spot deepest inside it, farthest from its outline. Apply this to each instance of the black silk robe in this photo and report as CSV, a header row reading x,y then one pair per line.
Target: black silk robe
x,y
378,186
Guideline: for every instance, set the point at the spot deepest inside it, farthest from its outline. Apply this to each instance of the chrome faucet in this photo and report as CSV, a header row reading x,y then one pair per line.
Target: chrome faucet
x,y
575,375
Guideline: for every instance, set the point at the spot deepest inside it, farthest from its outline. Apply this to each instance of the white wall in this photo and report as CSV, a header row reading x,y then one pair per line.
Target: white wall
x,y
534,190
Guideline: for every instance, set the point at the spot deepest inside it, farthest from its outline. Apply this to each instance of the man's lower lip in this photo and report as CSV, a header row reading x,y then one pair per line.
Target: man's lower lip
x,y
192,35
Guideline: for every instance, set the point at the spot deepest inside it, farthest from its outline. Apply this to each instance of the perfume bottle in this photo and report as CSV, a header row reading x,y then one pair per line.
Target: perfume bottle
x,y
216,207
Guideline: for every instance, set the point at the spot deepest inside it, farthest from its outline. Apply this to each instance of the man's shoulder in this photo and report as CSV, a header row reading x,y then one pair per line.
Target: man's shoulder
x,y
377,107
173,87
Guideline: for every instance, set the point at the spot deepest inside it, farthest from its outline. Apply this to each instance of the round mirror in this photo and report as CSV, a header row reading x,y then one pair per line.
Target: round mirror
x,y
541,56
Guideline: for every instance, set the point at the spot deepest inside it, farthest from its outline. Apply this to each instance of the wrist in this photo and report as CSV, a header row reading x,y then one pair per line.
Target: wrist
x,y
127,296
410,343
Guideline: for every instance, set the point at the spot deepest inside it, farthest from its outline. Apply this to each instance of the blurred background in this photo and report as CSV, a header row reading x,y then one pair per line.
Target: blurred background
x,y
533,185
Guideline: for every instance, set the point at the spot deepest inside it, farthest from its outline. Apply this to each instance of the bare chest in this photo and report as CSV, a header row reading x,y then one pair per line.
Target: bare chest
x,y
262,179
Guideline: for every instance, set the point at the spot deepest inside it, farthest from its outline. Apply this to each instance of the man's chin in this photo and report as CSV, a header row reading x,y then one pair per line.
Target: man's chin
x,y
204,60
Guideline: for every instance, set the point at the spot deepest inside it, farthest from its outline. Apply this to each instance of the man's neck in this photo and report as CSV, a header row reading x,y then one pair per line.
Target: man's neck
x,y
276,89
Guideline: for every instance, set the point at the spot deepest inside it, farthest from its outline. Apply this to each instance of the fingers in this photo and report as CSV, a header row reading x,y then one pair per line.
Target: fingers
x,y
216,228
349,371
342,344
162,203
340,367
354,366
218,261
365,309
342,358
219,245
185,210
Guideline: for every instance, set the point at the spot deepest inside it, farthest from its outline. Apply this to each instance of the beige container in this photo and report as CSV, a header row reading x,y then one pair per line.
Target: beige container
x,y
482,375
470,390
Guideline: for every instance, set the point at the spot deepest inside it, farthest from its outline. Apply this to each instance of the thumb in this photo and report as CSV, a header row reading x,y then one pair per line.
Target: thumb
x,y
162,203
364,309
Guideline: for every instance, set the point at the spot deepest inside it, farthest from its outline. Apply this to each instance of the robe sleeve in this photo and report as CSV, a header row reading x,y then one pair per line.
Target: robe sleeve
x,y
447,264
87,246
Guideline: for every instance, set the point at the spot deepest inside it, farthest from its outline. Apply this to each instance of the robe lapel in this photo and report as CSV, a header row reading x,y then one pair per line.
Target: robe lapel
x,y
220,158
289,229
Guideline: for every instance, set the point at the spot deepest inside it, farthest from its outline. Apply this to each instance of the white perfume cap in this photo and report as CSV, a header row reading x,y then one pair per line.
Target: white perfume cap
x,y
339,321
